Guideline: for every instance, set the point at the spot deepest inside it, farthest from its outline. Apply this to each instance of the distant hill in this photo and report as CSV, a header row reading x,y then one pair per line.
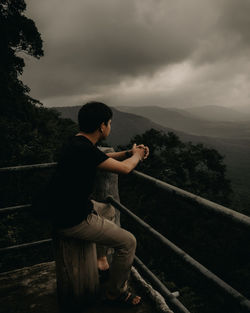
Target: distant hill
x,y
184,121
124,125
218,113
235,149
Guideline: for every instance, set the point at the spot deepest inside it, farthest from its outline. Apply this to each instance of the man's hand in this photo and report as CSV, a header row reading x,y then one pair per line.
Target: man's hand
x,y
139,152
146,151
142,150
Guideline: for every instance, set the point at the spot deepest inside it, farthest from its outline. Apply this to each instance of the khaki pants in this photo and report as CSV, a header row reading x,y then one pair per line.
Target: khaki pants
x,y
101,230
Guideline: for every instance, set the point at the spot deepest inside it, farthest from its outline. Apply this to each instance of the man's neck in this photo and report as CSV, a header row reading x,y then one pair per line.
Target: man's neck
x,y
93,137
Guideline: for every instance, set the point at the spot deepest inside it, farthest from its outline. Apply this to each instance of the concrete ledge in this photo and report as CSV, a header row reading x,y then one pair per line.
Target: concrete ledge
x,y
30,289
33,290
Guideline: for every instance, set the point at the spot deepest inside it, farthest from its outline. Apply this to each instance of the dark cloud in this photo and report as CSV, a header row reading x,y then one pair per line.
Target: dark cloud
x,y
234,19
92,47
228,36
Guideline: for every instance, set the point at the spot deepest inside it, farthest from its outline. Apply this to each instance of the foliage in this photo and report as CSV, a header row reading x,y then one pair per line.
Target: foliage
x,y
18,34
217,244
29,133
195,168
34,141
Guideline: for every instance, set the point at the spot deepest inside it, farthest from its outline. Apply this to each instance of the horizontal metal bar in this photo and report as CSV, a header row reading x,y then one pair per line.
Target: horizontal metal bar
x,y
217,208
25,245
27,167
160,286
12,209
244,302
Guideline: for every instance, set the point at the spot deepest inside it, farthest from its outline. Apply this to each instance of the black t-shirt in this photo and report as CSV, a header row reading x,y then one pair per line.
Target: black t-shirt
x,y
73,182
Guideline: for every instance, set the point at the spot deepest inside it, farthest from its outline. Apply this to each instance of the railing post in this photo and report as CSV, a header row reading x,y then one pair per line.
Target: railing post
x,y
76,273
76,261
107,184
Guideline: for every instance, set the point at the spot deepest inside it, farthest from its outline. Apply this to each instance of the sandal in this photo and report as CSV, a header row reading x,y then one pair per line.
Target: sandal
x,y
126,299
103,275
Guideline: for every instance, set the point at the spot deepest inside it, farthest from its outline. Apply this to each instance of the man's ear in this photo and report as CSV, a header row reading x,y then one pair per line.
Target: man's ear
x,y
101,127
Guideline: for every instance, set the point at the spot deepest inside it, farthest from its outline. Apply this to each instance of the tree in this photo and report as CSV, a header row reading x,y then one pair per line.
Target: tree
x,y
207,237
195,168
18,34
29,133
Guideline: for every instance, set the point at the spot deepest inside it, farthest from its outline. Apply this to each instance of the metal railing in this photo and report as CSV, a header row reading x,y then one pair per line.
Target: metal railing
x,y
206,204
26,245
27,167
244,302
162,289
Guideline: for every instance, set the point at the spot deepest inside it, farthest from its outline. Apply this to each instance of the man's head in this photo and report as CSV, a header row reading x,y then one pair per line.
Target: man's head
x,y
92,115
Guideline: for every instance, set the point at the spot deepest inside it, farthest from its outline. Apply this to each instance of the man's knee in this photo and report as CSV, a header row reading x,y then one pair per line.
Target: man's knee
x,y
111,213
130,241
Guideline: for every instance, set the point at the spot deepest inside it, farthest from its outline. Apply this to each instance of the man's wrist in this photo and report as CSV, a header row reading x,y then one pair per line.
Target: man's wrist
x,y
139,157
128,153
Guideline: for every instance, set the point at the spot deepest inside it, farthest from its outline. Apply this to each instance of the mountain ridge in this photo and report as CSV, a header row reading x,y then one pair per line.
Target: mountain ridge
x,y
218,113
212,113
181,121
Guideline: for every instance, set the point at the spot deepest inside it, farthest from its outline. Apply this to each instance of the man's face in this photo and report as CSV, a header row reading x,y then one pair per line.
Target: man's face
x,y
106,129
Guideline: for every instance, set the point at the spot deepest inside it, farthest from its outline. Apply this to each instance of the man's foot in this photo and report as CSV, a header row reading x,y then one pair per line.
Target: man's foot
x,y
126,298
103,269
131,298
102,263
103,275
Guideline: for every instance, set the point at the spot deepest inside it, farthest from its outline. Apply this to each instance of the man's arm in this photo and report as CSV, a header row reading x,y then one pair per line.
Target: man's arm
x,y
125,166
121,155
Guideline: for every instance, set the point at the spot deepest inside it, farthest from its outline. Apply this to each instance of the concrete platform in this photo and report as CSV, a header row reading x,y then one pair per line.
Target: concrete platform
x,y
33,290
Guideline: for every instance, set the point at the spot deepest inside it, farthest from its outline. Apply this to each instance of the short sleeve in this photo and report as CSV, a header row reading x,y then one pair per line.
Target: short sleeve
x,y
98,156
84,155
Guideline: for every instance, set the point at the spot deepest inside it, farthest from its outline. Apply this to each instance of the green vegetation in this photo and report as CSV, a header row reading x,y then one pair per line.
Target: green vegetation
x,y
195,168
216,243
219,128
29,133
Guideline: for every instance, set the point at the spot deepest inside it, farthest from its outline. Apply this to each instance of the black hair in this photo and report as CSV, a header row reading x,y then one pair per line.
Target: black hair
x,y
92,115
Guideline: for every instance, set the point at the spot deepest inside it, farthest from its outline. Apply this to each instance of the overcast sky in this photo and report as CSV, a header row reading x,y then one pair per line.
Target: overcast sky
x,y
171,53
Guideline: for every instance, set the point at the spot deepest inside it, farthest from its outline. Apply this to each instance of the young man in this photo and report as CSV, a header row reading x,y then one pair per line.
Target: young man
x,y
73,184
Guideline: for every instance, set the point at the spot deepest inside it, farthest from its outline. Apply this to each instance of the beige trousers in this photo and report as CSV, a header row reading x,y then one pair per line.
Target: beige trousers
x,y
106,234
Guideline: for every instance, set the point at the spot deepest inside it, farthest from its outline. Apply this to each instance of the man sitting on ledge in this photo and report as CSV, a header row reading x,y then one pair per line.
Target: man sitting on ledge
x,y
75,215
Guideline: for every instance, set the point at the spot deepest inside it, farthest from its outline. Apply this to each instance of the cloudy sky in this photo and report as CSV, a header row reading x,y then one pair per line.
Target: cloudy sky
x,y
171,53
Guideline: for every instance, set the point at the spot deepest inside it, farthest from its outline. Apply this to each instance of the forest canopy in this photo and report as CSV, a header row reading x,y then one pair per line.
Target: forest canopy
x,y
29,133
192,167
